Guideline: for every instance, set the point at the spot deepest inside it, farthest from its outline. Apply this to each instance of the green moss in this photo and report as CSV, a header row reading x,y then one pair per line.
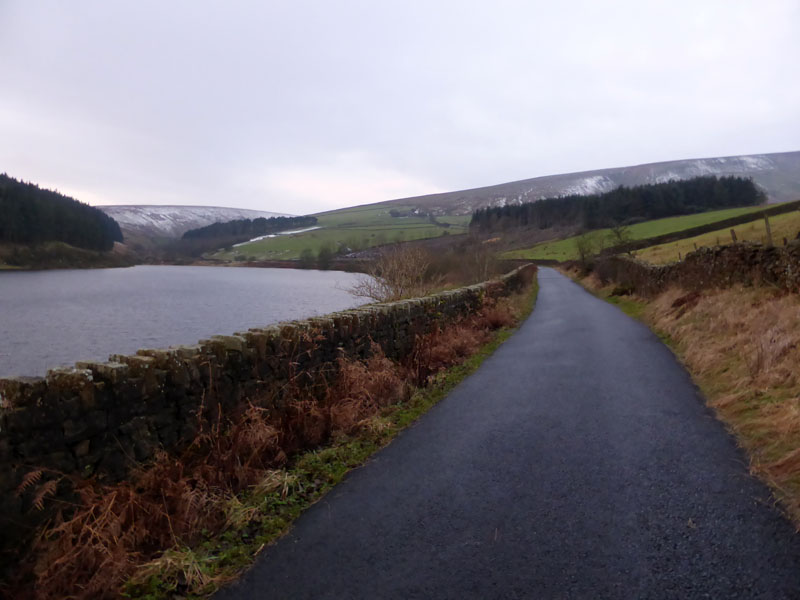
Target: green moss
x,y
629,306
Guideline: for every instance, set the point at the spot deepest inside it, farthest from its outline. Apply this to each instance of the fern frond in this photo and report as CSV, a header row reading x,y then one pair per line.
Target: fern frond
x,y
45,490
29,480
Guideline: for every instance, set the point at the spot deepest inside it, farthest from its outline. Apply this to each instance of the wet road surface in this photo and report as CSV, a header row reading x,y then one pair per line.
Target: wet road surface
x,y
579,461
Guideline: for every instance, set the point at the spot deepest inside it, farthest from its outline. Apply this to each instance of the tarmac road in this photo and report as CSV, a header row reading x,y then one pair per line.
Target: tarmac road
x,y
578,462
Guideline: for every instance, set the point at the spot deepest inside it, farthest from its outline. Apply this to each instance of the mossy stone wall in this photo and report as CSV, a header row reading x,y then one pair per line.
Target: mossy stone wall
x,y
101,419
718,267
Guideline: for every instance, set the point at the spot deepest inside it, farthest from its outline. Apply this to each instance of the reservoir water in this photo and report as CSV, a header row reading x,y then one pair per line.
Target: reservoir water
x,y
53,318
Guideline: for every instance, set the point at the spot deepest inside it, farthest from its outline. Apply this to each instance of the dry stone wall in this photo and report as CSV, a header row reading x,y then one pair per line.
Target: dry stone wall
x,y
721,266
772,210
103,418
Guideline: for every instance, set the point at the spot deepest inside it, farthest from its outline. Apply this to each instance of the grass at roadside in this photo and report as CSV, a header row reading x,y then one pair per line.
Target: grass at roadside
x,y
566,249
630,306
742,348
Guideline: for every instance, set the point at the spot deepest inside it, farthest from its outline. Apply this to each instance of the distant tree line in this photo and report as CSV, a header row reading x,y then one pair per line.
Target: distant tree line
x,y
624,205
32,215
249,228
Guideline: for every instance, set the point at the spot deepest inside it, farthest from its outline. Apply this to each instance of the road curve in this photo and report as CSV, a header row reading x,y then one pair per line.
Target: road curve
x,y
579,461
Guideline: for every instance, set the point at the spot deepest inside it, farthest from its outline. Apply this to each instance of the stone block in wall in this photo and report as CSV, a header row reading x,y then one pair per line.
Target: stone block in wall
x,y
9,480
402,310
257,342
221,344
35,455
321,326
21,391
129,396
18,422
67,383
344,323
208,368
163,358
144,370
184,376
289,339
106,375
369,319
6,454
169,435
138,440
273,333
187,351
358,325
37,443
84,425
231,354
110,455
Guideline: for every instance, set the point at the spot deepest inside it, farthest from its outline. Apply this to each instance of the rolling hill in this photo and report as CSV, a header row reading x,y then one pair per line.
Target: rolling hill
x,y
30,215
152,221
350,229
778,175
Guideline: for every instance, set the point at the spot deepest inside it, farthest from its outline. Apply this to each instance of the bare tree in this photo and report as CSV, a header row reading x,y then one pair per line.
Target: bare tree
x,y
619,234
398,273
471,261
586,246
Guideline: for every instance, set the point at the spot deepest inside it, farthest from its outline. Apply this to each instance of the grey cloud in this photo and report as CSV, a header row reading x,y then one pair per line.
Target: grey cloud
x,y
308,105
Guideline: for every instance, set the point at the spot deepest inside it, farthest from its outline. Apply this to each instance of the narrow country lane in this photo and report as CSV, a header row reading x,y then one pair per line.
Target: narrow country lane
x,y
578,462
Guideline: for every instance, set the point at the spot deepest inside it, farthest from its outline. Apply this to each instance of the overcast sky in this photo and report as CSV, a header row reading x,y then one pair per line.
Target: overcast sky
x,y
297,107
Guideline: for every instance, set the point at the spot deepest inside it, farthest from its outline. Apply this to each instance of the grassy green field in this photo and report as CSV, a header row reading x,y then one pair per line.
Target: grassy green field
x,y
783,226
354,228
566,249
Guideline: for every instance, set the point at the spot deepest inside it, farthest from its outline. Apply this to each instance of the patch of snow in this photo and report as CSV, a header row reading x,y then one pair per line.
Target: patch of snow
x,y
757,163
174,221
715,166
585,186
272,235
668,176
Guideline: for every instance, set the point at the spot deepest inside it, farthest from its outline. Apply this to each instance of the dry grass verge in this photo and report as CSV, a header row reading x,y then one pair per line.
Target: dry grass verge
x,y
742,347
183,525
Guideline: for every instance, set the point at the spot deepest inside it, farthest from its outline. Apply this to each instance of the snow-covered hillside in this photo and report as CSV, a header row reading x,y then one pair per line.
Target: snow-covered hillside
x,y
174,221
777,174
